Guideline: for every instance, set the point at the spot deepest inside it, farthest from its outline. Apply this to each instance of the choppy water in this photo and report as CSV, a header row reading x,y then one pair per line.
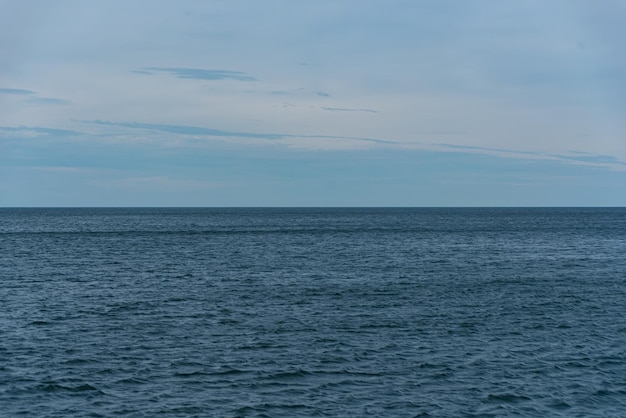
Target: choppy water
x,y
312,312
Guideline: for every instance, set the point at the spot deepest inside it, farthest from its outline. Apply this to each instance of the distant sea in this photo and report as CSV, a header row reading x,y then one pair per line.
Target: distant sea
x,y
313,312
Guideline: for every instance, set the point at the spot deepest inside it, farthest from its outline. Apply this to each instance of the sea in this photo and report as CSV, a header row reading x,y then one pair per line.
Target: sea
x,y
313,312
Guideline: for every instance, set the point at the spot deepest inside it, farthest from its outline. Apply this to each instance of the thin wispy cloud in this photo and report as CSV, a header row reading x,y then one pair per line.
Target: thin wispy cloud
x,y
38,130
211,132
345,109
188,130
197,131
199,74
605,161
33,96
20,92
595,160
351,138
49,101
485,149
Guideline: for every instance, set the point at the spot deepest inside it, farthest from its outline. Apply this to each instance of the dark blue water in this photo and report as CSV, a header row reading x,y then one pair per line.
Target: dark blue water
x,y
312,312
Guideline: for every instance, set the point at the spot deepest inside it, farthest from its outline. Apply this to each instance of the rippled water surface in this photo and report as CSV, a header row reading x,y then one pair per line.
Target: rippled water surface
x,y
312,312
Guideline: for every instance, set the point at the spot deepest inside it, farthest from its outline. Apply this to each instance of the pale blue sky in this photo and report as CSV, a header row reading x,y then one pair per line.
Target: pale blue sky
x,y
312,103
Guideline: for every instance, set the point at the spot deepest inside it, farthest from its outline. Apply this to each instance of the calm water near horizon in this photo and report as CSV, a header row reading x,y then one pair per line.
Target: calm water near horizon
x,y
442,312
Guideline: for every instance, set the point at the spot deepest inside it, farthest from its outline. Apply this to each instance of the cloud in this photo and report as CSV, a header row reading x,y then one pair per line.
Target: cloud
x,y
33,96
211,132
189,130
350,138
49,100
199,74
345,109
486,149
21,92
587,159
591,159
39,130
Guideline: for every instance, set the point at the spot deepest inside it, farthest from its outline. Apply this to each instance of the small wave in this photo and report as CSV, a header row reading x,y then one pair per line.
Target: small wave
x,y
56,387
226,372
132,381
269,410
560,405
507,398
606,392
194,373
290,375
78,361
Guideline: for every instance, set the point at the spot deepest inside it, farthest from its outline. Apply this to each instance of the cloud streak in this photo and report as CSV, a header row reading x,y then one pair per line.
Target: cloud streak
x,y
33,96
346,109
49,100
39,130
20,92
594,160
211,132
188,130
198,73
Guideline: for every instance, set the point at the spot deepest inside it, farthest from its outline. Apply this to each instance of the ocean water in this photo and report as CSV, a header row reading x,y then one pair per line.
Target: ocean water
x,y
313,312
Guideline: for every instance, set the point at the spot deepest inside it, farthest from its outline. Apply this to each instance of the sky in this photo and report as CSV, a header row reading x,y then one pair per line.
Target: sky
x,y
312,103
